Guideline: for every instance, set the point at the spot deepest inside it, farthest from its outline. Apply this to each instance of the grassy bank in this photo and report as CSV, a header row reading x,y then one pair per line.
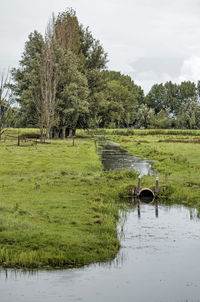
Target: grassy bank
x,y
176,160
57,207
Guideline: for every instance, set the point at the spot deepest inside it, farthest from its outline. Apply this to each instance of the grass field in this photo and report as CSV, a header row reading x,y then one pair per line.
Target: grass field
x,y
58,208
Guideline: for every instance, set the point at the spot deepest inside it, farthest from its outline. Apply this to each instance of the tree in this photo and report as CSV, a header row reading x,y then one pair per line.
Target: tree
x,y
170,99
46,106
72,95
61,84
170,96
72,36
123,96
67,32
82,58
198,90
155,98
35,81
163,120
9,117
26,80
145,117
4,95
121,103
92,52
96,98
189,115
187,91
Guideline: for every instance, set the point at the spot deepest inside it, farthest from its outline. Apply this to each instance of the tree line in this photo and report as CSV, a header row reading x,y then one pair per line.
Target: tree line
x,y
171,105
62,84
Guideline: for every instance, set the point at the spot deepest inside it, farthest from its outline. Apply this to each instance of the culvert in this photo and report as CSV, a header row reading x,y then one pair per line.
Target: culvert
x,y
146,195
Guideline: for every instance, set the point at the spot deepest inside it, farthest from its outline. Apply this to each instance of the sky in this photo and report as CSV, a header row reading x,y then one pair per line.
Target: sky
x,y
153,41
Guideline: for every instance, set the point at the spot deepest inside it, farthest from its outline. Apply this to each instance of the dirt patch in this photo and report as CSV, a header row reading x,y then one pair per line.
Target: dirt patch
x,y
143,141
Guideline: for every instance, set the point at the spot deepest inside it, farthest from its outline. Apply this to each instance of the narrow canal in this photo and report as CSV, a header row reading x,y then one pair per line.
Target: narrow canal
x,y
158,262
115,158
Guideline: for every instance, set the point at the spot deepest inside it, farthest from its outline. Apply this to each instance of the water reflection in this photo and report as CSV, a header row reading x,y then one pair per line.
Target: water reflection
x,y
194,214
137,203
14,274
158,261
113,158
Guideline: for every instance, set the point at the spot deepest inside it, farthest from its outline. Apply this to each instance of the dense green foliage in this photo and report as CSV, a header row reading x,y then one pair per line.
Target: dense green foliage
x,y
87,96
173,105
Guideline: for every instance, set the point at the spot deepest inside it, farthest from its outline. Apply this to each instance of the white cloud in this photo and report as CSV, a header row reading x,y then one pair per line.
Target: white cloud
x,y
148,78
190,70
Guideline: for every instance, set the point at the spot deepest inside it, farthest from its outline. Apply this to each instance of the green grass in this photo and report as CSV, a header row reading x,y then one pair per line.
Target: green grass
x,y
146,132
12,133
176,160
57,207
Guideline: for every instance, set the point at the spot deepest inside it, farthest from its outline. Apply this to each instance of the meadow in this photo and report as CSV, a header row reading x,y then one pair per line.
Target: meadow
x,y
59,209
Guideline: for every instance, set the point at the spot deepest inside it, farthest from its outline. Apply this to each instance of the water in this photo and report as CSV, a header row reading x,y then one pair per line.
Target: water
x,y
113,158
158,262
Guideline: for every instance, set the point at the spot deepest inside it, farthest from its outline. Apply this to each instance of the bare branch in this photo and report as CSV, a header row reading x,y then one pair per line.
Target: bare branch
x,y
48,80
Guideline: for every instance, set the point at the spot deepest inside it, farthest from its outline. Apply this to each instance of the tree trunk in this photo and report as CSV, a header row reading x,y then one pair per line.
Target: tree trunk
x,y
56,133
51,133
48,130
73,132
63,132
42,135
70,132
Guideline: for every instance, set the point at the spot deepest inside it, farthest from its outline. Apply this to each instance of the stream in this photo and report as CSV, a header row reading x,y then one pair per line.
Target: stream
x,y
113,157
157,262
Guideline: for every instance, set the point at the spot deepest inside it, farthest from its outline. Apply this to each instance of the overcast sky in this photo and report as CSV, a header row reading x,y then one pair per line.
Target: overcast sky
x,y
150,40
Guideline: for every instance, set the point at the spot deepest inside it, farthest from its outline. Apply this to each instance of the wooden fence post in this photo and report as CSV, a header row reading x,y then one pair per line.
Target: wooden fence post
x,y
18,139
139,182
156,187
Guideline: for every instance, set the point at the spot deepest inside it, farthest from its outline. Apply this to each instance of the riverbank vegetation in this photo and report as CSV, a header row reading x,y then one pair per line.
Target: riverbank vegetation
x,y
176,162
